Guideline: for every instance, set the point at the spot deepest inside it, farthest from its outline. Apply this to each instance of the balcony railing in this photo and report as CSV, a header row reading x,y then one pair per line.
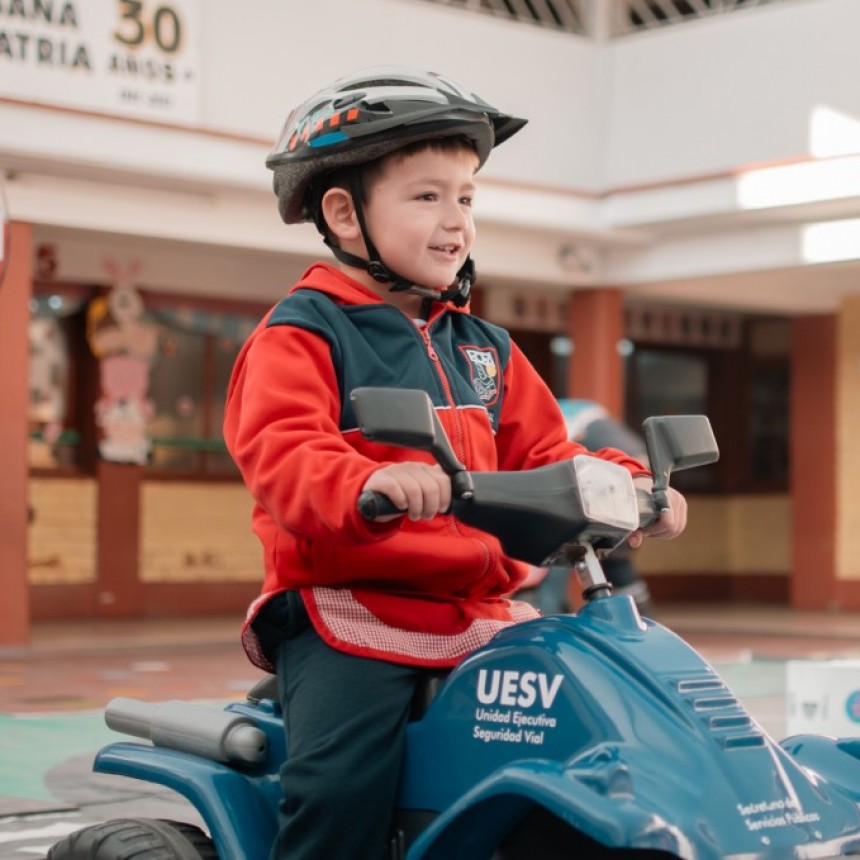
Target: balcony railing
x,y
633,15
603,18
568,15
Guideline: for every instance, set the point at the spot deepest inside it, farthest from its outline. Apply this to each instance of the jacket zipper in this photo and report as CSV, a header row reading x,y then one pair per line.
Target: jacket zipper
x,y
459,442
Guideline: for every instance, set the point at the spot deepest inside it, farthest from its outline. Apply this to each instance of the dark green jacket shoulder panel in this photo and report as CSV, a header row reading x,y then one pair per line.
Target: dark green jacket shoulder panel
x,y
378,345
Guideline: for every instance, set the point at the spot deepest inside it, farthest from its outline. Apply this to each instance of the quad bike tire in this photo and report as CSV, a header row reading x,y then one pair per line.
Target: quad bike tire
x,y
136,839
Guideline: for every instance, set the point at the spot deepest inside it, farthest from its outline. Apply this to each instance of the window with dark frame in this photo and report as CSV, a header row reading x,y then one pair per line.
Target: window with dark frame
x,y
198,342
744,392
671,381
61,380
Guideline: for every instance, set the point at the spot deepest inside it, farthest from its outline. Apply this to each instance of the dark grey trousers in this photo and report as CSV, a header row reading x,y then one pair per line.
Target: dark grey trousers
x,y
345,719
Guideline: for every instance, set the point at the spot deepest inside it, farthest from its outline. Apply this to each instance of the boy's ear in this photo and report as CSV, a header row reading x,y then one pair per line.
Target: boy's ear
x,y
339,214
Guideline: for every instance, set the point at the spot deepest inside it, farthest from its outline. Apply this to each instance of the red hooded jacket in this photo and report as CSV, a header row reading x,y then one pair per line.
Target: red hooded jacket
x,y
424,593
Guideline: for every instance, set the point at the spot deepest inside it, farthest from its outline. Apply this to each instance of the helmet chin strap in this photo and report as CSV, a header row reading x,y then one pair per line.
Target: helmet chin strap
x,y
458,292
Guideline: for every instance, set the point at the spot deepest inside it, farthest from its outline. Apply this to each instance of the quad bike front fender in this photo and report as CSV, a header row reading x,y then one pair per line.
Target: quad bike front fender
x,y
238,809
836,759
475,824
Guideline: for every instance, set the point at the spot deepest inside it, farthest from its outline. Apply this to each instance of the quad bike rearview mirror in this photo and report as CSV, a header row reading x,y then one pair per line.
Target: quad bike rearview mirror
x,y
406,418
677,442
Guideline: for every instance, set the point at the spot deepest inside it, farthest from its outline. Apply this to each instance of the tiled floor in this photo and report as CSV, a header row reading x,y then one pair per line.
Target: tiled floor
x,y
79,666
73,667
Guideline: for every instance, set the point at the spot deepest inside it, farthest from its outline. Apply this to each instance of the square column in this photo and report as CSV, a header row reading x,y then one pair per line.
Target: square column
x,y
15,294
847,465
813,462
596,326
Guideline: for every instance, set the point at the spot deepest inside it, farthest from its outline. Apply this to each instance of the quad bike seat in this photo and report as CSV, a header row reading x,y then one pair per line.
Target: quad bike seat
x,y
425,692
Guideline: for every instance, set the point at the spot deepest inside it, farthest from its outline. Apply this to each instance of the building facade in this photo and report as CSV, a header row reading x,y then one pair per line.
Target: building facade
x,y
674,231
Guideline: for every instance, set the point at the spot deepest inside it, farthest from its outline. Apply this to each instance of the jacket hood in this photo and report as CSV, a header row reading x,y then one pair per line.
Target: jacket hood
x,y
329,279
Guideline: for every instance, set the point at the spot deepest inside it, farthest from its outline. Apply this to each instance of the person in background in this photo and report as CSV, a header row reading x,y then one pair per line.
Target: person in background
x,y
590,424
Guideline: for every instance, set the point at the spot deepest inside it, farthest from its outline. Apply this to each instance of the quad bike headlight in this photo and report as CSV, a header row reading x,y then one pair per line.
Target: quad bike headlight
x,y
607,496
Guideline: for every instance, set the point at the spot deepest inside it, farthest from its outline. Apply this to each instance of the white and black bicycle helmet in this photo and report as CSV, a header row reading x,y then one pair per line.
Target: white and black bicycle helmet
x,y
363,117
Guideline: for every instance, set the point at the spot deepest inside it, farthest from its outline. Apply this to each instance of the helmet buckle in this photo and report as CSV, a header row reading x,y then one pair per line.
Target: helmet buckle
x,y
378,272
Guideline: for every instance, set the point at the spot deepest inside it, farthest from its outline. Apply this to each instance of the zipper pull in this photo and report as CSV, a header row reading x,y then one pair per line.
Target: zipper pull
x,y
430,351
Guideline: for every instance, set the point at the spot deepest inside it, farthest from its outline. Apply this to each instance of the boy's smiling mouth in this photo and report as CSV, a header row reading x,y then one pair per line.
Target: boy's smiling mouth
x,y
450,250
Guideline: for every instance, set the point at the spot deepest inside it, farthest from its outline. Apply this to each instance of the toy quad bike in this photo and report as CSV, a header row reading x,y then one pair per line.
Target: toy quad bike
x,y
594,734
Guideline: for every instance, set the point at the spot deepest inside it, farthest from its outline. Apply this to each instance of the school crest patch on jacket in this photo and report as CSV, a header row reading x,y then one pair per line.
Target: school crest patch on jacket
x,y
484,372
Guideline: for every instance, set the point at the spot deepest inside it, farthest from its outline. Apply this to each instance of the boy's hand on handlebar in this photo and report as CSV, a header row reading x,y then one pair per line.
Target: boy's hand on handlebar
x,y
669,523
419,490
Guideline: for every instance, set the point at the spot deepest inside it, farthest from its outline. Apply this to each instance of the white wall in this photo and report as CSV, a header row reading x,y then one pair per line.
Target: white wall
x,y
262,57
724,92
731,90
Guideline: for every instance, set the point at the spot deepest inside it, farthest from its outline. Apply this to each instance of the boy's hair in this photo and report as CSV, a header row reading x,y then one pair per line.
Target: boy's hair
x,y
371,172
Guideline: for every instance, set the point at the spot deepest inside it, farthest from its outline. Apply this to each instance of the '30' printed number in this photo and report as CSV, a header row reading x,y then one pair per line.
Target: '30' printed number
x,y
135,25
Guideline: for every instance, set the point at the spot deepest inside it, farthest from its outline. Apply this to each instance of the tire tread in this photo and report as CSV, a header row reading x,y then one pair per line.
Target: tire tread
x,y
136,839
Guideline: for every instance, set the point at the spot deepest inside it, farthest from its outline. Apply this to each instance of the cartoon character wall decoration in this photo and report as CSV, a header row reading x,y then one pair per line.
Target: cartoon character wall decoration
x,y
125,342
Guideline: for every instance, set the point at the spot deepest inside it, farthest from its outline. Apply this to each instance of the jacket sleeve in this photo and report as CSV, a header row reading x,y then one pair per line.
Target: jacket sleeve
x,y
281,426
532,431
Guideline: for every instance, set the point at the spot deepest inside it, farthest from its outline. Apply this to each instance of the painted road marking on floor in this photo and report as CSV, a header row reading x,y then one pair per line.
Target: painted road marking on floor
x,y
36,841
54,831
31,746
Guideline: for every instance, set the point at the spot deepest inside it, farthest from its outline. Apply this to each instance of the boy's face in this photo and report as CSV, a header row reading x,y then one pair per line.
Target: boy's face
x,y
419,213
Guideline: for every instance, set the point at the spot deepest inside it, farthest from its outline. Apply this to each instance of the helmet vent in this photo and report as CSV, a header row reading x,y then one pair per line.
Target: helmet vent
x,y
387,82
378,107
347,100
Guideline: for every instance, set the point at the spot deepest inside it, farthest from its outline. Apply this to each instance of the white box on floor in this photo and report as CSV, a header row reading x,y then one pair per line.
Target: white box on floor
x,y
823,697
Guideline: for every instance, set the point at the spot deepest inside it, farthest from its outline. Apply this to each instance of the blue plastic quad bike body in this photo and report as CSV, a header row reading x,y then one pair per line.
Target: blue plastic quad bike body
x,y
594,734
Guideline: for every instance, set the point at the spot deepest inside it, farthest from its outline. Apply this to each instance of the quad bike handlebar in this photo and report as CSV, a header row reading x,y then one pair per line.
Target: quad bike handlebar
x,y
564,514
372,505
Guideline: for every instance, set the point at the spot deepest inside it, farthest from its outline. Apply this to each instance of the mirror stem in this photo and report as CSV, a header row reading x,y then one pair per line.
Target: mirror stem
x,y
591,575
661,499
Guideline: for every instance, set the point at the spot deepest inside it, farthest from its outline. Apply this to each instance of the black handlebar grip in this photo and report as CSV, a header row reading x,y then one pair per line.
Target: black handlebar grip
x,y
372,505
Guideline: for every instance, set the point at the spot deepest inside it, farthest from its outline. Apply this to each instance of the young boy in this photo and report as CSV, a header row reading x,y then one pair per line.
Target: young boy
x,y
353,612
